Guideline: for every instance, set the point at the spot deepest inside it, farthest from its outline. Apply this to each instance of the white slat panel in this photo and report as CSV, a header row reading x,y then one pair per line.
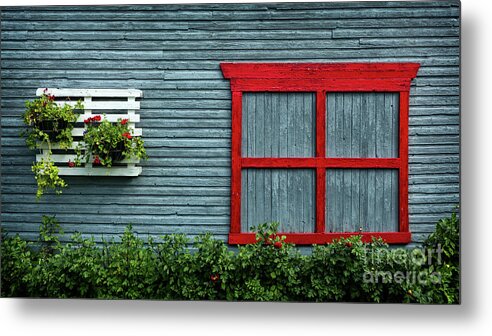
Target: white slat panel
x,y
65,92
63,158
113,171
44,145
80,132
133,118
130,105
105,105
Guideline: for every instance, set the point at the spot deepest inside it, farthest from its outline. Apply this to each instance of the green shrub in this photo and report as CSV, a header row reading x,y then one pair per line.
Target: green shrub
x,y
346,270
128,268
445,240
17,263
267,270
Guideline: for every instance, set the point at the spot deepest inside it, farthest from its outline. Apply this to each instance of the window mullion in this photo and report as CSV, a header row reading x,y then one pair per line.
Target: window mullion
x,y
403,156
320,153
237,102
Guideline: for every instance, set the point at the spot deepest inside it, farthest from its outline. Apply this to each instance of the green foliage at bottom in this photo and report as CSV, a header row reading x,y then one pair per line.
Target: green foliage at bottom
x,y
346,270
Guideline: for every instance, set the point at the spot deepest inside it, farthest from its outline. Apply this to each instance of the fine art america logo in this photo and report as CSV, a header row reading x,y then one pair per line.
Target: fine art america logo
x,y
384,266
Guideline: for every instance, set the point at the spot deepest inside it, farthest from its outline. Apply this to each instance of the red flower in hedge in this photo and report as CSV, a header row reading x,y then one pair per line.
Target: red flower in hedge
x,y
96,160
348,244
127,135
278,244
71,164
214,277
124,121
51,97
86,121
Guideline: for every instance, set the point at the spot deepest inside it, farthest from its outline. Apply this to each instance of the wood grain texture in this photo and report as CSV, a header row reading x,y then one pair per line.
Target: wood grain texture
x,y
172,54
286,196
366,198
363,125
278,124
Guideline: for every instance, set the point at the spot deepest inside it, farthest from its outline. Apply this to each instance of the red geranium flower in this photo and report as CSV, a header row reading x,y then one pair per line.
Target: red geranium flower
x,y
51,97
348,244
96,160
86,121
71,164
124,121
214,277
127,135
278,244
96,118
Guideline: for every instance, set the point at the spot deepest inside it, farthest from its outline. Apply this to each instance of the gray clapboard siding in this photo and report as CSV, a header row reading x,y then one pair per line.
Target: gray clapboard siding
x,y
278,125
366,198
385,5
286,196
235,55
437,61
172,52
362,124
408,23
177,212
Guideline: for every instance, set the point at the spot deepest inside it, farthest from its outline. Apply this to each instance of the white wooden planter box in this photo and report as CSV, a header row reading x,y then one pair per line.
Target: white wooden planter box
x,y
112,104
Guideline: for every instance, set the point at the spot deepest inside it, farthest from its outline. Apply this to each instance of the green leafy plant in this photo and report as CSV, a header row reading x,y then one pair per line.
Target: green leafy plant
x,y
49,122
106,142
445,241
46,175
268,270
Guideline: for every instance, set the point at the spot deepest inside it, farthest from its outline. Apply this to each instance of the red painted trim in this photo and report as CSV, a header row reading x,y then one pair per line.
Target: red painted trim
x,y
324,238
360,163
320,153
321,124
314,84
403,178
320,163
320,200
237,98
319,70
319,78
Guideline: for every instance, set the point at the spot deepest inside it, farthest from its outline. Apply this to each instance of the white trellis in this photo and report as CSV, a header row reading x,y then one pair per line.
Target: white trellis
x,y
112,104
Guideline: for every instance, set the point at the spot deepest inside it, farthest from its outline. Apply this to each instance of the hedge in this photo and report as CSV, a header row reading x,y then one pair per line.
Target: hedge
x,y
346,270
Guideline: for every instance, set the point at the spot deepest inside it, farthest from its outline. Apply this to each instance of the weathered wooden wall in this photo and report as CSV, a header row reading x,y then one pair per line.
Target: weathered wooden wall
x,y
172,53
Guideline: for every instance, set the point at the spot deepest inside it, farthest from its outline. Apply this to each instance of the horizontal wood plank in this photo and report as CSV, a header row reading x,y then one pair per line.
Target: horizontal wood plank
x,y
65,92
64,158
78,132
113,171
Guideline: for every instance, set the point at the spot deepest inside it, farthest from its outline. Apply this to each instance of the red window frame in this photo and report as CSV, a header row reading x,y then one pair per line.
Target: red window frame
x,y
320,78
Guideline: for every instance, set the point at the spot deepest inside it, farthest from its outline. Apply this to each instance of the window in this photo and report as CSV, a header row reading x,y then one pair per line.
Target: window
x,y
320,148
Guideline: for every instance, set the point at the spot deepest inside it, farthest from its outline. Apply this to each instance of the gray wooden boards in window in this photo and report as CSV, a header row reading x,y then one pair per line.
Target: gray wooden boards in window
x,y
279,124
278,195
362,124
366,198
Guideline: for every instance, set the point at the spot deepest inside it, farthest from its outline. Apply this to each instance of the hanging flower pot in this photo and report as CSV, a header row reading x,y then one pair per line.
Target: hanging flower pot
x,y
49,121
52,127
116,153
109,141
